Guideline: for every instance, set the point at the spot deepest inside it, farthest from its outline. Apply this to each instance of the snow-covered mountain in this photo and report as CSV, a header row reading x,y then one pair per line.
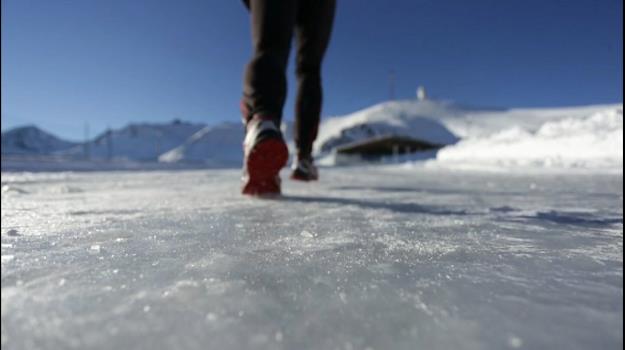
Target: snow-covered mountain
x,y
589,137
30,140
215,146
138,142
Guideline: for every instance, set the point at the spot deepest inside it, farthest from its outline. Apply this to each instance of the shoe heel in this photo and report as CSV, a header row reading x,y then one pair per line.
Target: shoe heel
x,y
263,167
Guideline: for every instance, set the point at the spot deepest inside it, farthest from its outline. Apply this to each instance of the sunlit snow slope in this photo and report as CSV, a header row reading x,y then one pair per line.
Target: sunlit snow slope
x,y
216,146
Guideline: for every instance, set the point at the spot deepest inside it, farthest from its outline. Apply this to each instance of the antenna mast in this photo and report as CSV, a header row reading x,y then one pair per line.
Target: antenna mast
x,y
86,144
391,85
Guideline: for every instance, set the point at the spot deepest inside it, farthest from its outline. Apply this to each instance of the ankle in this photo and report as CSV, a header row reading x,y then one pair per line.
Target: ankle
x,y
304,156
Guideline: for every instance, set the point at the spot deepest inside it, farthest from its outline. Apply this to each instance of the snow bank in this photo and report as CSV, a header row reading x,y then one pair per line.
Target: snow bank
x,y
593,142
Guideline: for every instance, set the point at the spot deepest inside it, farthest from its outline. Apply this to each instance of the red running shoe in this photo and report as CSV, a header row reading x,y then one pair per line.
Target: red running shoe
x,y
265,153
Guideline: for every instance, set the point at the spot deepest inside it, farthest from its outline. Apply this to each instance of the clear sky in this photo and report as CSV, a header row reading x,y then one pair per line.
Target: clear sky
x,y
109,62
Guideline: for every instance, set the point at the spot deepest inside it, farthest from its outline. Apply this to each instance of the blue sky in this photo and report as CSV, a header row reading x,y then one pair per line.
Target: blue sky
x,y
110,62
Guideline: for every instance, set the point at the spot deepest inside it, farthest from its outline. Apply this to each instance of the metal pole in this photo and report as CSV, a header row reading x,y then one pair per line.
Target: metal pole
x,y
86,144
395,153
391,87
109,143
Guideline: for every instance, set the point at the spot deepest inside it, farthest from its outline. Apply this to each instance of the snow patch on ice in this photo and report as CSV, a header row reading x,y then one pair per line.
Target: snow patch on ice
x,y
7,257
9,189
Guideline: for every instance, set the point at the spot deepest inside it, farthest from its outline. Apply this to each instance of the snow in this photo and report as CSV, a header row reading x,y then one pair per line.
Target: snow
x,y
214,146
136,142
403,118
217,146
31,140
368,258
59,163
478,138
588,138
593,142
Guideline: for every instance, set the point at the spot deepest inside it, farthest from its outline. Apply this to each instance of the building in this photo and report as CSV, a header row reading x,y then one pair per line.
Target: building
x,y
374,149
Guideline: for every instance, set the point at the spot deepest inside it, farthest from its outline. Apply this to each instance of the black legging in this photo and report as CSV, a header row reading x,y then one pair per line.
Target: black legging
x,y
264,91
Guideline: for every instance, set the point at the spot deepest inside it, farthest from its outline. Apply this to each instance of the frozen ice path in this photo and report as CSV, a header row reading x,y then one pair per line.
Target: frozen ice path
x,y
368,258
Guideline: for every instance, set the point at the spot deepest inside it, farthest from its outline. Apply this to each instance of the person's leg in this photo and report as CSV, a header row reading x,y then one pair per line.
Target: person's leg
x,y
264,89
265,151
313,28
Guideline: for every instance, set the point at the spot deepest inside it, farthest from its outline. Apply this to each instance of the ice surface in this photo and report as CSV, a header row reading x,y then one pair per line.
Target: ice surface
x,y
368,258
